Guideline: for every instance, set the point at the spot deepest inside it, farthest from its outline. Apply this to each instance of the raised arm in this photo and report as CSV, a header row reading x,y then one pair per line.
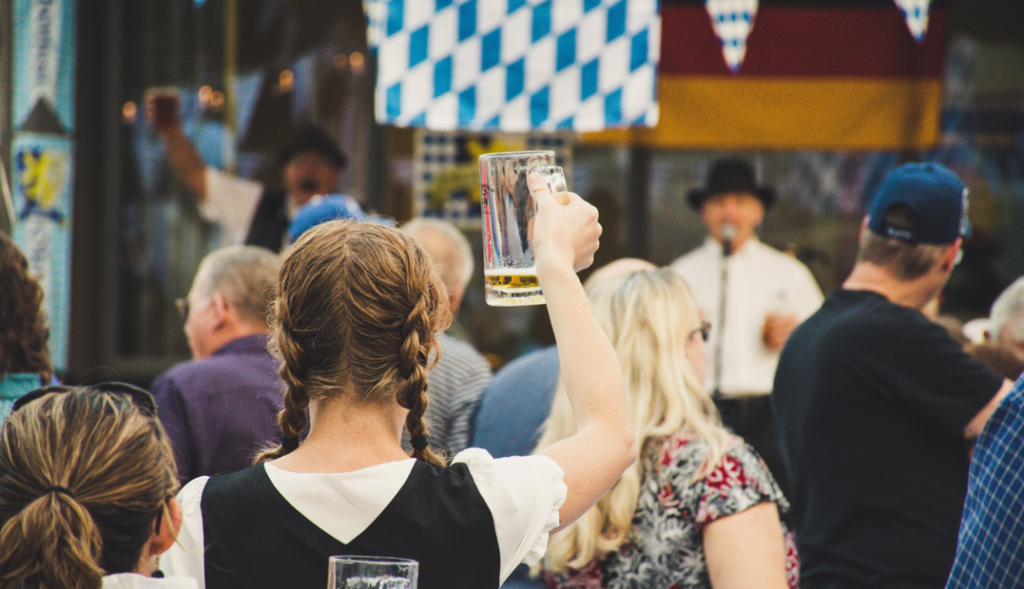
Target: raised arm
x,y
565,238
183,156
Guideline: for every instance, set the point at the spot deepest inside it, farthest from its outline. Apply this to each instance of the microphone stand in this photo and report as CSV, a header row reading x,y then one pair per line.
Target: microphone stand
x,y
728,234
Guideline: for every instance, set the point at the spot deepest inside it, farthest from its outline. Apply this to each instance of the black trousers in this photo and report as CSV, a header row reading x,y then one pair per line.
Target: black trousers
x,y
752,419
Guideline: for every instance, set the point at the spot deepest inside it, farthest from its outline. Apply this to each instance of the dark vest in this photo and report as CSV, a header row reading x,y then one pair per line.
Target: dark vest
x,y
254,538
269,222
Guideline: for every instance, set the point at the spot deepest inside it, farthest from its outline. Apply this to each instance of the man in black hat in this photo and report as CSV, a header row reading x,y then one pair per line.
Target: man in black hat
x,y
247,212
767,294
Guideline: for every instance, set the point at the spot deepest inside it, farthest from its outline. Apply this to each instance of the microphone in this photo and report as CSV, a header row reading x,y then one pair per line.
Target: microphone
x,y
728,234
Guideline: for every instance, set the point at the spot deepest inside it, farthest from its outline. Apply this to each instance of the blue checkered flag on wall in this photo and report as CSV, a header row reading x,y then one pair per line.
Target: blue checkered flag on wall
x,y
515,65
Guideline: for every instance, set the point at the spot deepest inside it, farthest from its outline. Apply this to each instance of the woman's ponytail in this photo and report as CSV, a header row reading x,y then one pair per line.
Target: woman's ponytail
x,y
52,543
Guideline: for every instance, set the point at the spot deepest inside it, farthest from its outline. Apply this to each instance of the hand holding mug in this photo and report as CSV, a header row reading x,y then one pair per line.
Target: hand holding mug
x,y
566,230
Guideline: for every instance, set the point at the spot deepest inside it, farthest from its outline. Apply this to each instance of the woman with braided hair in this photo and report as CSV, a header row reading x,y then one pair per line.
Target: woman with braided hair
x,y
87,485
358,309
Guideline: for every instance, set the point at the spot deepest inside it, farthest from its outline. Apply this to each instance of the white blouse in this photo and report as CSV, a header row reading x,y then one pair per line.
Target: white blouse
x,y
134,581
524,494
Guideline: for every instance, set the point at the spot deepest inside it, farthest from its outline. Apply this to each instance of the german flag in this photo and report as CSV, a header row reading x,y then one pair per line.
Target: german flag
x,y
839,75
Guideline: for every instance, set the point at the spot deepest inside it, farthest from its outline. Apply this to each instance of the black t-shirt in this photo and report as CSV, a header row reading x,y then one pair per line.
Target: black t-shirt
x,y
871,401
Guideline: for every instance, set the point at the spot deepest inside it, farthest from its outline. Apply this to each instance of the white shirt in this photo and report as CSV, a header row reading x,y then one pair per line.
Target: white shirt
x,y
135,581
230,202
762,281
524,494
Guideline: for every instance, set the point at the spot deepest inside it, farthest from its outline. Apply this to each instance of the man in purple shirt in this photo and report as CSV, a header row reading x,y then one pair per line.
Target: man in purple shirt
x,y
221,407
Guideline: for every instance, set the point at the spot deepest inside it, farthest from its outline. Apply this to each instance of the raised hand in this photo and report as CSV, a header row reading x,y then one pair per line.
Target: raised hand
x,y
565,229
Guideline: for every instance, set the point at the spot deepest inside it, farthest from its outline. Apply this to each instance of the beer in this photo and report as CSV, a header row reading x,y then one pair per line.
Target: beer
x,y
507,207
511,280
511,287
163,105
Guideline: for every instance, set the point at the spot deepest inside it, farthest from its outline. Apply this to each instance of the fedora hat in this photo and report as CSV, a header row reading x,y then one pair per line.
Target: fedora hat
x,y
731,175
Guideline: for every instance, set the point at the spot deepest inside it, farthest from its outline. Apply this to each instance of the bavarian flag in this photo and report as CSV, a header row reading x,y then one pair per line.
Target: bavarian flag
x,y
830,75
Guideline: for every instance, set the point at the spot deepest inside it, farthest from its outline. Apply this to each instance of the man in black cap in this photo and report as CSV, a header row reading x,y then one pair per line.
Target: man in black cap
x,y
767,294
247,212
874,399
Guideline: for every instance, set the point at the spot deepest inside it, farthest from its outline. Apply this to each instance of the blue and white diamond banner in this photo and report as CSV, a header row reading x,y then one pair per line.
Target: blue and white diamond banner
x,y
515,65
732,20
915,13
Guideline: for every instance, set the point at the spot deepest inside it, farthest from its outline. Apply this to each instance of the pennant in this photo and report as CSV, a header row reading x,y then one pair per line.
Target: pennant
x,y
43,81
516,65
837,75
732,21
915,13
42,177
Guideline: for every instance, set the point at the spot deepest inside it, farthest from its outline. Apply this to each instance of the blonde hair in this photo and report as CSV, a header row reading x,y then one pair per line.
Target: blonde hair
x,y
357,310
84,475
648,316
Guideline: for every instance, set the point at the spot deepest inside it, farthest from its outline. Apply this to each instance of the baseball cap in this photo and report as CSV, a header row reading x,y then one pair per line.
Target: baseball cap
x,y
935,196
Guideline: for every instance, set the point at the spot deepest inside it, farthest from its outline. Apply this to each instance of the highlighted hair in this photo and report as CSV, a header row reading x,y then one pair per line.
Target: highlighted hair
x,y
118,469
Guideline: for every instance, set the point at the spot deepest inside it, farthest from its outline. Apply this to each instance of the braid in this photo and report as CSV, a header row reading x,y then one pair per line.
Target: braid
x,y
412,360
357,308
292,419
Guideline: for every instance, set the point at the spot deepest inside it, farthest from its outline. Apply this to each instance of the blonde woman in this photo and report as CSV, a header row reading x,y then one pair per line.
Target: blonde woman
x,y
699,508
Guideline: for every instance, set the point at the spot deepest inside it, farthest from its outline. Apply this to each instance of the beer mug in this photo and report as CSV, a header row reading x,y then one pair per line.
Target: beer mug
x,y
163,106
372,572
508,209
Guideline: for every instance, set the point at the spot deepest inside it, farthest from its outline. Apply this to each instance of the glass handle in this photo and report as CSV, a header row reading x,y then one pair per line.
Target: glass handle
x,y
555,177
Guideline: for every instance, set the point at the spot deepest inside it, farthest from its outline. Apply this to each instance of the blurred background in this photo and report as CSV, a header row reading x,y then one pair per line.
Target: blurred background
x,y
250,73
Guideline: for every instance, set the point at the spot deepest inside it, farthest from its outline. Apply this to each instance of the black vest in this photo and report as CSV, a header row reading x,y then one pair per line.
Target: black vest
x,y
254,538
269,222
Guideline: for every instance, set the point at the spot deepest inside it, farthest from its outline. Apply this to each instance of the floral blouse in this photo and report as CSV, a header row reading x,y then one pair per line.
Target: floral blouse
x,y
665,549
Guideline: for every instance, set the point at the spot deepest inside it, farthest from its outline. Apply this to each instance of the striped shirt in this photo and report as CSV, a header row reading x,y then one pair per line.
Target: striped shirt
x,y
454,388
990,549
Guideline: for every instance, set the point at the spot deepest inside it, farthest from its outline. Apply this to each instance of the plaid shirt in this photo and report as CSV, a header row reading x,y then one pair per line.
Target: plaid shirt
x,y
990,550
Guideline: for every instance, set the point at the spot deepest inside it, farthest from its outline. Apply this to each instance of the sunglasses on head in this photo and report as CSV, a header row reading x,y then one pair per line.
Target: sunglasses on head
x,y
139,397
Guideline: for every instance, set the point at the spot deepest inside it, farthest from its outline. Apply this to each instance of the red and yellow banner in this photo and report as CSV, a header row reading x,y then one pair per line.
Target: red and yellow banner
x,y
838,75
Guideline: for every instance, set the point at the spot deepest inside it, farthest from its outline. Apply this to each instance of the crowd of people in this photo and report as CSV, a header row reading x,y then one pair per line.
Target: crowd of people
x,y
715,423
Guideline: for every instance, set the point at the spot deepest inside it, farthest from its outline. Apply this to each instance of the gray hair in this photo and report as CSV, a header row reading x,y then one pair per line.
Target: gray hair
x,y
447,246
1008,311
245,275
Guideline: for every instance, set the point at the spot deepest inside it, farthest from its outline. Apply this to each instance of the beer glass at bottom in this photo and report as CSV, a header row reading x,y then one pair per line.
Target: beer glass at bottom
x,y
372,572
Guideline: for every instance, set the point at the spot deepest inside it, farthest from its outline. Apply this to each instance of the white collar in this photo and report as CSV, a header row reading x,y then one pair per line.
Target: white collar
x,y
136,581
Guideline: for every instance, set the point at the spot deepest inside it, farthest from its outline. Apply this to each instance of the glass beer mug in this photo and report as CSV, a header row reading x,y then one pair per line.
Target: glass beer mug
x,y
508,208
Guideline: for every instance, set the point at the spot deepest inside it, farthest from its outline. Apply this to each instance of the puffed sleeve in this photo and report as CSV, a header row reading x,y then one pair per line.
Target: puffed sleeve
x,y
524,494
